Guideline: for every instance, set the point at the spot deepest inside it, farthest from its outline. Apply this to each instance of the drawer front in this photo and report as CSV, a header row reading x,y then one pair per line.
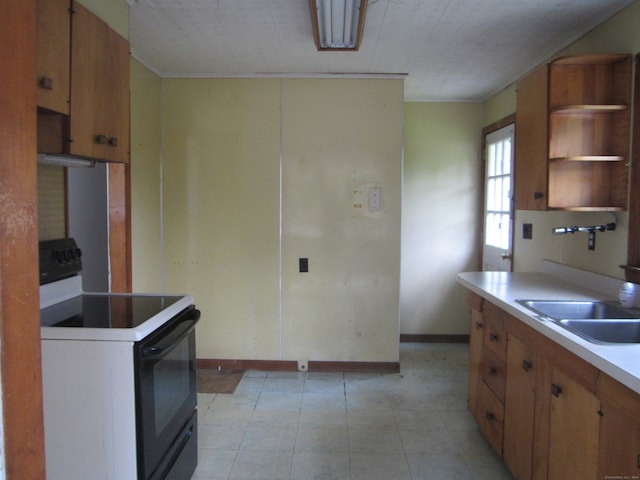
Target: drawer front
x,y
494,372
490,417
495,335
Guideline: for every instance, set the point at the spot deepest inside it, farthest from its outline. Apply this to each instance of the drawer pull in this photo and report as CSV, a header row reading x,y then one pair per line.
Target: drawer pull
x,y
555,390
113,141
101,139
493,337
46,83
526,365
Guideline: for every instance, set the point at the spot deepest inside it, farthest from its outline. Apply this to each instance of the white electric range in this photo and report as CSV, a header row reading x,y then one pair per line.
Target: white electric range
x,y
119,383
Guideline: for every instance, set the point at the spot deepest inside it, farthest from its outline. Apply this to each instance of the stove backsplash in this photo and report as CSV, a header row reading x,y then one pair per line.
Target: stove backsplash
x,y
51,203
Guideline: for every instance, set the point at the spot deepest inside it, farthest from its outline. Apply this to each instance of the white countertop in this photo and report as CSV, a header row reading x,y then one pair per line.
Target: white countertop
x,y
621,362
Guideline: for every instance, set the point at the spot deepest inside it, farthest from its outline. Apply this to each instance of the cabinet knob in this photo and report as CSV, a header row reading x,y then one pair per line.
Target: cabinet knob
x,y
46,83
526,365
479,325
101,139
489,416
555,390
113,141
492,371
493,337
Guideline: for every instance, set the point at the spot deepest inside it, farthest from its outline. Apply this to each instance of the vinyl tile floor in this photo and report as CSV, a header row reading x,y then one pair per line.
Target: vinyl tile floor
x,y
348,426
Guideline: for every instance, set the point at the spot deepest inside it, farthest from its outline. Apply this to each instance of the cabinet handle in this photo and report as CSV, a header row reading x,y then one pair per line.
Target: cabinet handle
x,y
489,416
493,337
113,141
526,365
46,83
101,139
638,460
479,325
555,390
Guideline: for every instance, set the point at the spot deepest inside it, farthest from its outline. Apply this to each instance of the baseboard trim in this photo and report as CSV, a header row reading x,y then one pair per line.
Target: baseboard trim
x,y
266,365
292,365
427,338
354,367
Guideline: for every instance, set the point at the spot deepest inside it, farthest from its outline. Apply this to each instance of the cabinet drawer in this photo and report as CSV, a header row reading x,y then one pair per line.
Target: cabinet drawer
x,y
495,335
494,372
490,417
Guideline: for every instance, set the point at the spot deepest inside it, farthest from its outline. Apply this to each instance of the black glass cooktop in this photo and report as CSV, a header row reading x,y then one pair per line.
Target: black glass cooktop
x,y
105,311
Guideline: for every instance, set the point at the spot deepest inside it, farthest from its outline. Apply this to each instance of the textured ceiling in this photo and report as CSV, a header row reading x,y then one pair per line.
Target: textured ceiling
x,y
449,50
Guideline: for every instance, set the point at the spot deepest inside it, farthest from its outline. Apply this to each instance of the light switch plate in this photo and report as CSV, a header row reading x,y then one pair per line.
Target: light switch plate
x,y
375,194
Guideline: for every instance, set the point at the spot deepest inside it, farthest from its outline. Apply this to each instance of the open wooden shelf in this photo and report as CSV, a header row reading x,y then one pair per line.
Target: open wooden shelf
x,y
589,158
581,109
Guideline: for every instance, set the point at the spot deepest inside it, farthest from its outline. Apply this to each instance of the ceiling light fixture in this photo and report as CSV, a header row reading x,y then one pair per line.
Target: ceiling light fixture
x,y
338,24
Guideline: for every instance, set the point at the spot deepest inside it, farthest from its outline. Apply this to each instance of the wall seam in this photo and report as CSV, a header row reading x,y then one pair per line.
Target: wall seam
x,y
280,231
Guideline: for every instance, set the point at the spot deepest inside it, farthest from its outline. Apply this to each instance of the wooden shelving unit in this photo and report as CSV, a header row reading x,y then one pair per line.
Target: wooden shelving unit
x,y
589,132
576,110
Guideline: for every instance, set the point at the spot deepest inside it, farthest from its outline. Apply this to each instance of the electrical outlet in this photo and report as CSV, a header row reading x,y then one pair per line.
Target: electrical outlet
x,y
303,264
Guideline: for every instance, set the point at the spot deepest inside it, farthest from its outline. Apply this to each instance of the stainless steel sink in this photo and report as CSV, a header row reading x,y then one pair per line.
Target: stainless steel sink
x,y
595,321
578,310
605,331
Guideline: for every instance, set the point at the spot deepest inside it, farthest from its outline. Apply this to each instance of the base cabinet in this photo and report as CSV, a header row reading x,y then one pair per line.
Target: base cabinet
x,y
621,433
519,418
558,417
619,455
573,429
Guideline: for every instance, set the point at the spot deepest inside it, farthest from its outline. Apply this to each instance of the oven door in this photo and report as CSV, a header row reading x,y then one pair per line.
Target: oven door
x,y
166,397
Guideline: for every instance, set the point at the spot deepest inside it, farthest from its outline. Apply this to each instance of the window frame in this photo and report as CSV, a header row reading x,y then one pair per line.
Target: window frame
x,y
483,174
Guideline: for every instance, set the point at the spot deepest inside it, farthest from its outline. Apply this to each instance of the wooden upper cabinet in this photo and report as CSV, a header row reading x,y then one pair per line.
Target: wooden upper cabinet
x,y
572,134
99,116
531,141
53,49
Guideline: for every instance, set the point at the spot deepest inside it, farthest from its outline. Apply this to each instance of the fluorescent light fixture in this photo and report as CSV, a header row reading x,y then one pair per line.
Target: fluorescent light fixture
x,y
338,24
65,161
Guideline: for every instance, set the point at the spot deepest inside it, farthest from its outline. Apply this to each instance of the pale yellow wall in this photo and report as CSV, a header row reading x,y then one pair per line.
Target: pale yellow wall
x,y
340,138
221,224
501,105
147,265
620,34
221,156
439,214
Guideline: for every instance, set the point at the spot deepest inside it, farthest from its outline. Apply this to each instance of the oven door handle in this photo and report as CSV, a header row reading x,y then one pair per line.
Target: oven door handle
x,y
185,327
